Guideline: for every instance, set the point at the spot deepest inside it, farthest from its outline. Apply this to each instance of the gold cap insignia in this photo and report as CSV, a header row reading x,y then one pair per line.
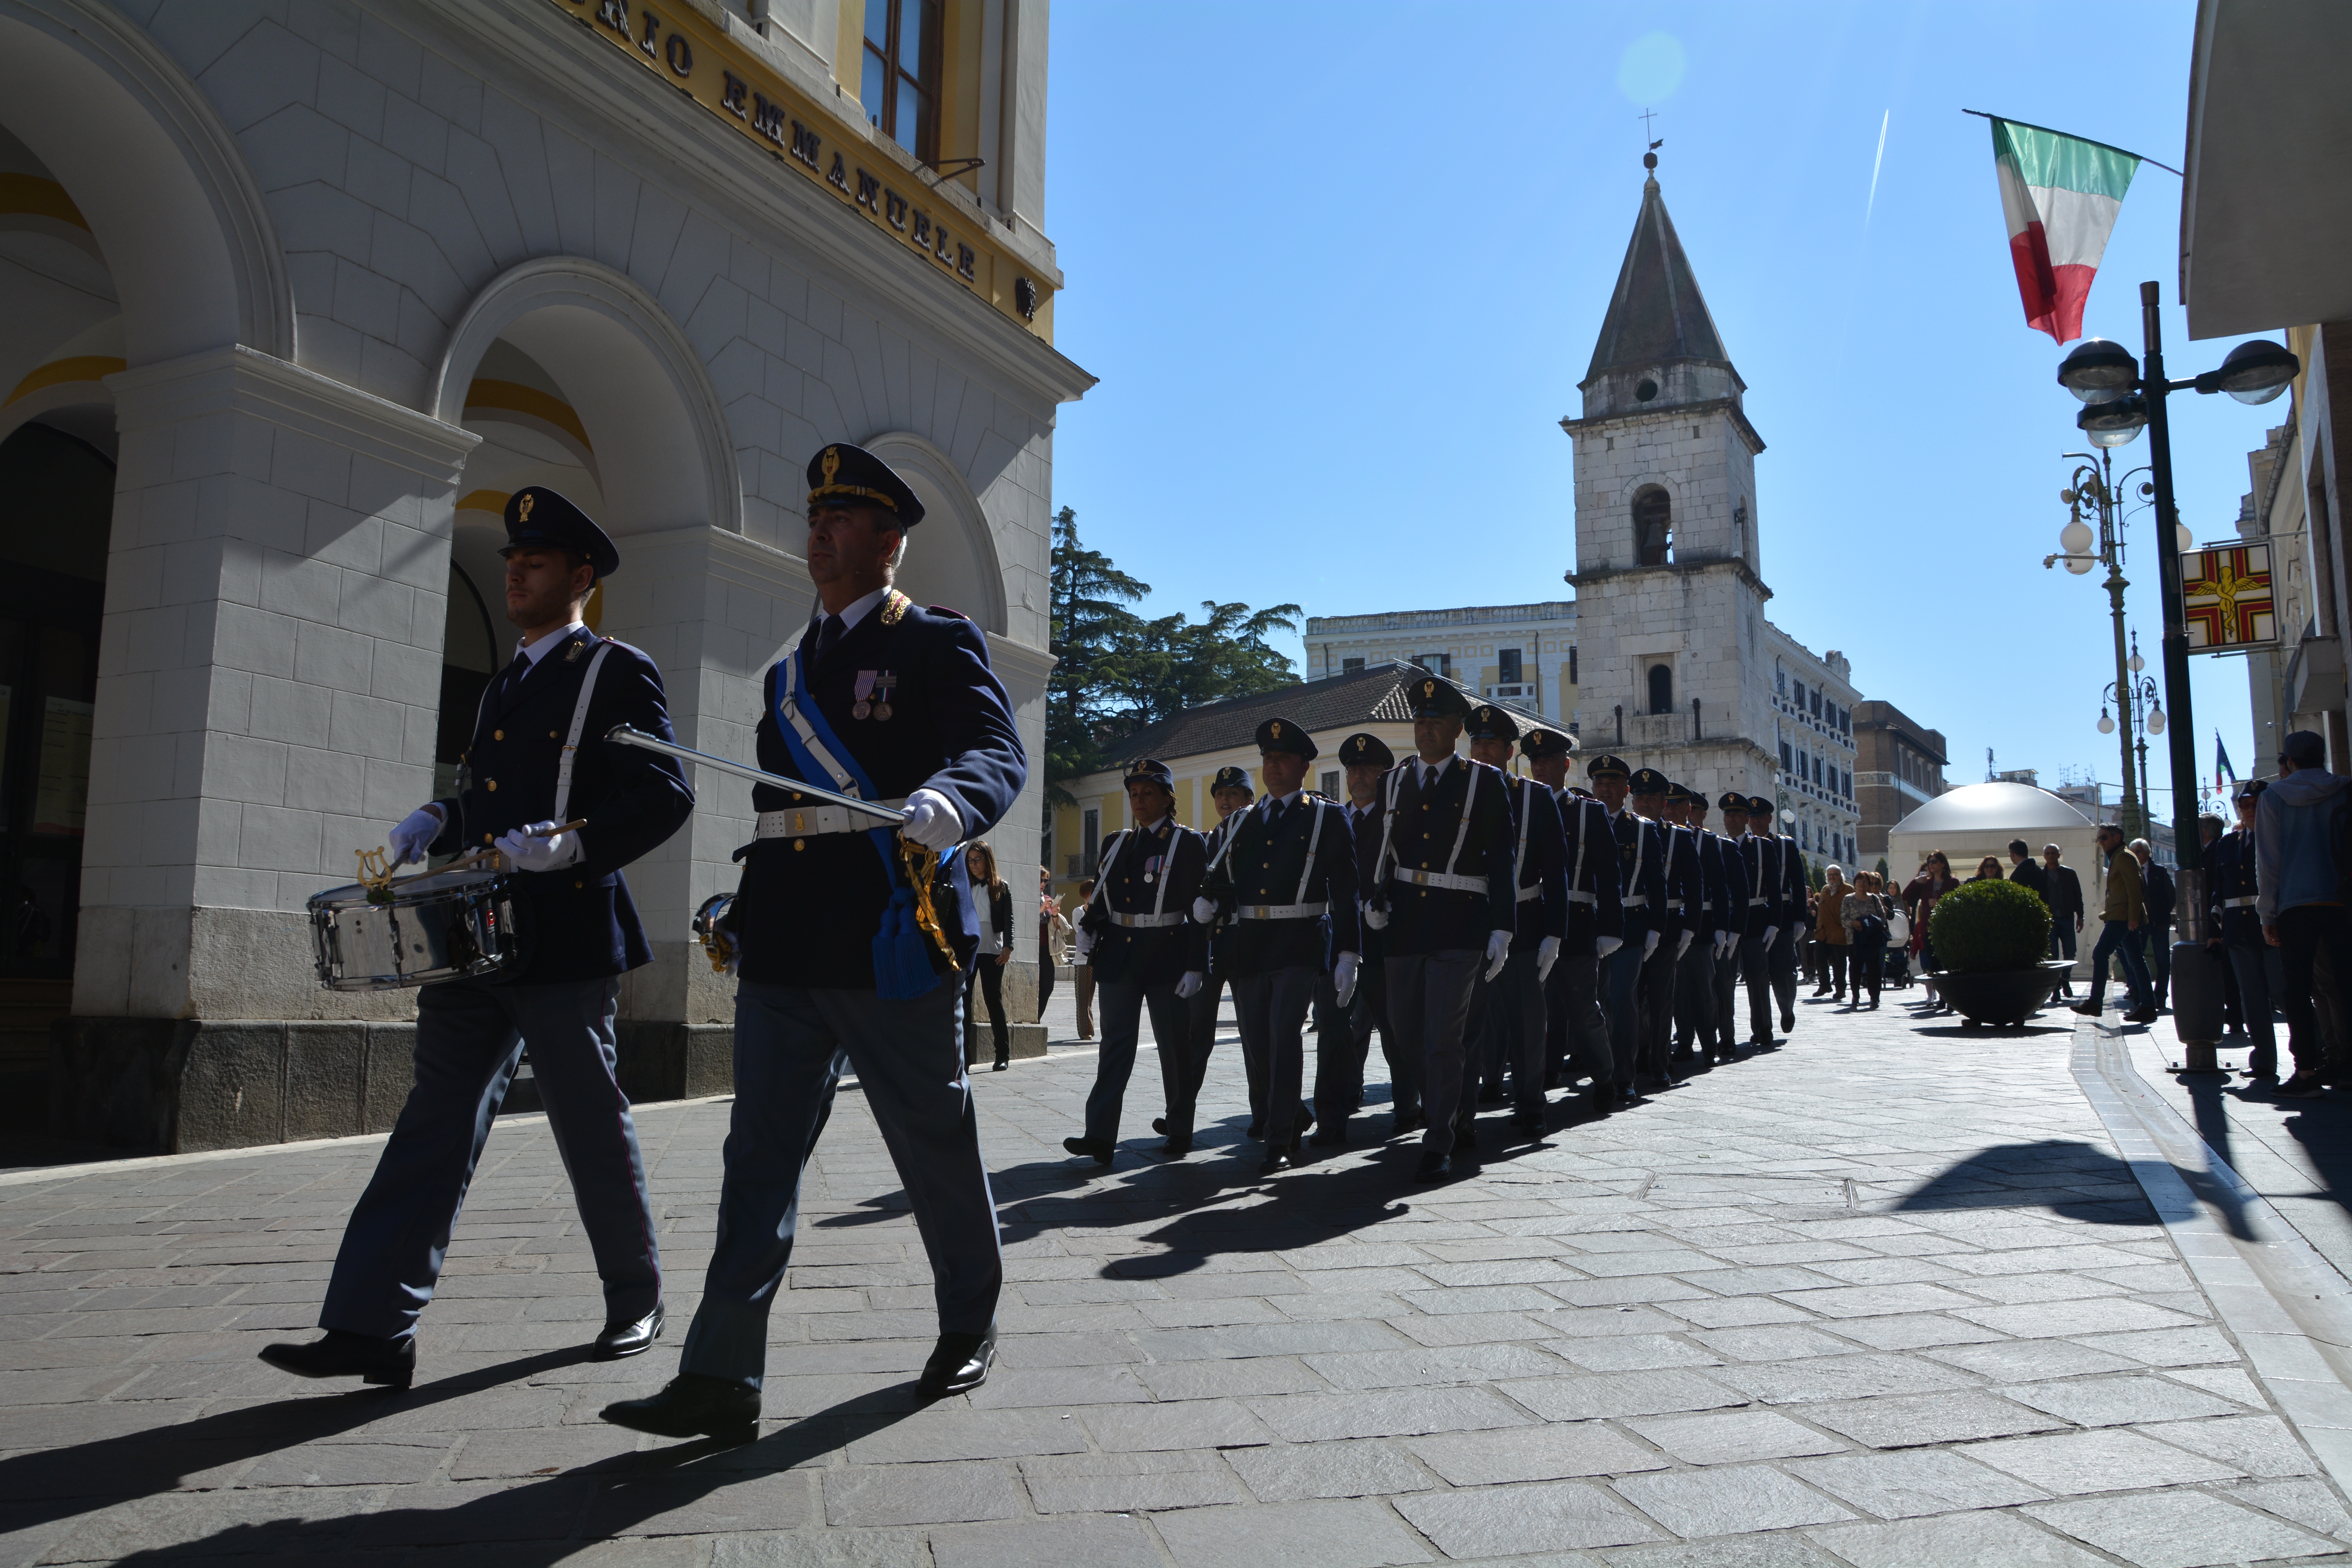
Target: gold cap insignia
x,y
1428,689
830,464
522,512
1274,729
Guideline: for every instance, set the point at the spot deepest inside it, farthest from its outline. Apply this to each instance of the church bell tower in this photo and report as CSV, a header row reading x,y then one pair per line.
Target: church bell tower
x,y
1670,598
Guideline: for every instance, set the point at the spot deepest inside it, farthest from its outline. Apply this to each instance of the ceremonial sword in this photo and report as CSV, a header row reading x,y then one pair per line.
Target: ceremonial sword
x,y
623,735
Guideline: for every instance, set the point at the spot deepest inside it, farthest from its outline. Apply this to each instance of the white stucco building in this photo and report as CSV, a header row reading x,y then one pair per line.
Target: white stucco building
x,y
296,294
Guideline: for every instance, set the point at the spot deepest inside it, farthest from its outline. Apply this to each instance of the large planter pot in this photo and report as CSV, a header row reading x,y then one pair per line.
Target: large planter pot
x,y
2004,998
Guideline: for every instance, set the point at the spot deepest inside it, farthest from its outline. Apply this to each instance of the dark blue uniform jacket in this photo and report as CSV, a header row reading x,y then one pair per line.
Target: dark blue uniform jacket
x,y
1685,883
1730,889
1364,823
810,907
1420,832
1641,874
577,923
1149,872
2230,862
1543,872
1760,863
1588,856
1268,866
1794,888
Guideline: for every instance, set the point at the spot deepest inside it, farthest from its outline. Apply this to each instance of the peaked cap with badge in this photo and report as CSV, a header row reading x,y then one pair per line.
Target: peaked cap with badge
x,y
1151,770
1542,742
1647,781
1759,806
1607,766
1679,794
1364,749
1283,735
1431,698
843,475
1488,722
1231,778
1733,800
541,518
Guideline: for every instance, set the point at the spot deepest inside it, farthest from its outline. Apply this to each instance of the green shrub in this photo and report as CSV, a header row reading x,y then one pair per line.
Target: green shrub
x,y
1989,927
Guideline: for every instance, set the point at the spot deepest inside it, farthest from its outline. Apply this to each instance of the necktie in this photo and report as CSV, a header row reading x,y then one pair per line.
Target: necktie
x,y
513,674
1273,813
828,632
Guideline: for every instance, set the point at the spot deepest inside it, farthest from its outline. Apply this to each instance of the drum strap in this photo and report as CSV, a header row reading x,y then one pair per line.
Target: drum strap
x,y
578,723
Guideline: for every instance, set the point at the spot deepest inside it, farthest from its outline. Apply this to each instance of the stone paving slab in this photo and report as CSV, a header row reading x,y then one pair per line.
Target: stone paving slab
x,y
1890,1295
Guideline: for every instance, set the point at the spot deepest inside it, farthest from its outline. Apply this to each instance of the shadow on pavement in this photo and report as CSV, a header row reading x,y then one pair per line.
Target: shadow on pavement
x,y
2063,1176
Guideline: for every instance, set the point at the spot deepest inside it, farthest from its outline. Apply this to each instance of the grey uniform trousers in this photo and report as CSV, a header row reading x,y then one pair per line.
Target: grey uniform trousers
x,y
1726,996
1694,995
1755,972
1272,1011
1515,1026
1343,1042
1657,1006
1429,1004
1120,1005
790,1044
1784,972
1576,1034
470,1037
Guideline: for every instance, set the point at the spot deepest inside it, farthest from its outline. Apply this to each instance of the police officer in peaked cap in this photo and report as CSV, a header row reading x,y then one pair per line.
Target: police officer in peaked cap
x,y
1642,884
901,698
1183,1071
1794,890
1573,1026
566,833
1343,1034
1507,1011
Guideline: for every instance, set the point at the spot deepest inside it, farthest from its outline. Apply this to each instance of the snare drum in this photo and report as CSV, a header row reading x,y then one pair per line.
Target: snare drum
x,y
460,925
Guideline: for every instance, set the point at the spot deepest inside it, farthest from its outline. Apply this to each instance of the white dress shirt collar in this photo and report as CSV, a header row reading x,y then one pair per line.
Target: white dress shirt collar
x,y
535,651
857,608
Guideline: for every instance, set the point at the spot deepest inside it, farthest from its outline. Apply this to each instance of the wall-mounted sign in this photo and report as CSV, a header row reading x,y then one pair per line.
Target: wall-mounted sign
x,y
685,51
2226,599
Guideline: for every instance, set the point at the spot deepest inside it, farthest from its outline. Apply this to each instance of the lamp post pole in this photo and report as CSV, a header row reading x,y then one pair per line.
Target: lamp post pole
x,y
2095,482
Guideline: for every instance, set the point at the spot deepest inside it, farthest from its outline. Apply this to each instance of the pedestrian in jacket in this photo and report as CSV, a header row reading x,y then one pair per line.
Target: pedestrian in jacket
x,y
2065,898
2236,928
2121,916
2155,891
2299,895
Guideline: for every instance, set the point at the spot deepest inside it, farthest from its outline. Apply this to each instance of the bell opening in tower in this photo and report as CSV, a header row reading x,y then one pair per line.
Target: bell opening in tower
x,y
1654,519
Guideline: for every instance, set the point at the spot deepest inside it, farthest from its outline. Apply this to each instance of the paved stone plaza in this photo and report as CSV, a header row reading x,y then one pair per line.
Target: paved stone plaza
x,y
1890,1296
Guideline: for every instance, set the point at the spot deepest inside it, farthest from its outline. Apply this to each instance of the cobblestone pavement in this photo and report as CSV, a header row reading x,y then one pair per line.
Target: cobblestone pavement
x,y
1885,1297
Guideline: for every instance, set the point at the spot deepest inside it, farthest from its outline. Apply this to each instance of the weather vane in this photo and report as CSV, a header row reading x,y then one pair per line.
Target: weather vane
x,y
1649,158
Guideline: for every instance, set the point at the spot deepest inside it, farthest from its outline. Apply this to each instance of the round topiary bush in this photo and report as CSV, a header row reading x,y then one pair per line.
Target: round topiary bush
x,y
1989,927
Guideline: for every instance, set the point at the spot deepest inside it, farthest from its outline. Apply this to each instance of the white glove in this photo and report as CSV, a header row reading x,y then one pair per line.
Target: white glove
x,y
1683,946
1343,976
932,820
531,853
1602,946
1546,954
1377,918
1725,940
1649,944
1770,932
413,839
1189,984
1498,951
1205,910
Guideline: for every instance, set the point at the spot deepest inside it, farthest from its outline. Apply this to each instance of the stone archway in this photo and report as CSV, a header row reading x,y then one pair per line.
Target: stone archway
x,y
951,558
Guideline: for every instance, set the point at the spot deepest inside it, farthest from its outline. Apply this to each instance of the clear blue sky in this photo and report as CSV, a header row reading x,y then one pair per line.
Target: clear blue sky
x,y
1340,267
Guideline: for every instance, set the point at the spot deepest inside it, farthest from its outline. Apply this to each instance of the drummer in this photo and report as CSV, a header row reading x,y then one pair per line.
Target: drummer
x,y
527,773
898,700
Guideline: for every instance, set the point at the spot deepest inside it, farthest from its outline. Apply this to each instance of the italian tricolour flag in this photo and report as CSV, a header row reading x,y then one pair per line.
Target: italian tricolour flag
x,y
2059,196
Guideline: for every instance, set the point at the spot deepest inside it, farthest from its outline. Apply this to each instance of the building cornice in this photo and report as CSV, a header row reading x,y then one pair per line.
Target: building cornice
x,y
240,379
1420,620
1580,581
1671,415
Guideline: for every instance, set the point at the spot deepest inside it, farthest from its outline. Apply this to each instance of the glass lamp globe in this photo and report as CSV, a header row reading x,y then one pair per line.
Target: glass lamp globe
x,y
2156,721
2075,538
2106,725
2135,663
2182,538
2078,564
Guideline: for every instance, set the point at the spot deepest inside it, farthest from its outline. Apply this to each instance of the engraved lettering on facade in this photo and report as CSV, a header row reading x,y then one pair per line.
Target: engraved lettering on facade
x,y
652,26
681,55
804,143
894,209
731,89
922,235
616,16
838,176
966,260
768,119
869,191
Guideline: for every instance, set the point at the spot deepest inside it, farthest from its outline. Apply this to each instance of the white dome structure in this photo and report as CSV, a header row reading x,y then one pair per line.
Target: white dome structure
x,y
1977,820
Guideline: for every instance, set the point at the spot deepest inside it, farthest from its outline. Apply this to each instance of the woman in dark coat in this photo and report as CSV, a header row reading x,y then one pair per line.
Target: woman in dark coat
x,y
995,950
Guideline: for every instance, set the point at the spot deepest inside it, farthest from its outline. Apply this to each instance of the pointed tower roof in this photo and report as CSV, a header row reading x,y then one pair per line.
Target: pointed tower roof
x,y
1657,317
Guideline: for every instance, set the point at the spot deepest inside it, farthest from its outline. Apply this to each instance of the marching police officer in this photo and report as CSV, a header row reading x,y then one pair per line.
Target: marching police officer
x,y
1642,888
1343,1033
1288,880
1676,931
1509,1008
1793,890
1730,880
1146,952
1184,1068
845,931
1759,859
567,814
1438,879
1572,1020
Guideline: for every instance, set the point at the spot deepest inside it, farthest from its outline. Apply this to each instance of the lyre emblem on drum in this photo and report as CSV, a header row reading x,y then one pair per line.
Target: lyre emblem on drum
x,y
376,875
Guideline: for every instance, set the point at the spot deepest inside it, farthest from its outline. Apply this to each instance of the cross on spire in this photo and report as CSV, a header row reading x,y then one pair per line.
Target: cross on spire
x,y
1645,117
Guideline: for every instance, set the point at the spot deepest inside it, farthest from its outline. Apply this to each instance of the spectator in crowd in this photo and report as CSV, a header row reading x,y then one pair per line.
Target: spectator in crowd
x,y
2156,891
1989,870
2024,870
2299,895
995,895
1053,937
1933,881
1084,973
1864,913
1830,932
2121,916
2236,931
2066,898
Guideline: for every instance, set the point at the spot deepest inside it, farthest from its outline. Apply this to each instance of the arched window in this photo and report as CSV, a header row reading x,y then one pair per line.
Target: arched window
x,y
1654,526
1661,689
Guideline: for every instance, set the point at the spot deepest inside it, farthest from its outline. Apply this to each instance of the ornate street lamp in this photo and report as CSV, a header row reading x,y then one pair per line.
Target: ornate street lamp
x,y
2094,488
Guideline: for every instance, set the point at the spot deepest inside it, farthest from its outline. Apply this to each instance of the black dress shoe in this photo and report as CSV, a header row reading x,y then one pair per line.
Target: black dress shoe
x,y
1101,1152
1434,1167
1256,1129
692,1405
620,1339
1490,1094
1405,1122
999,1065
959,1364
1160,1125
1177,1148
1274,1164
391,1364
1604,1098
1330,1137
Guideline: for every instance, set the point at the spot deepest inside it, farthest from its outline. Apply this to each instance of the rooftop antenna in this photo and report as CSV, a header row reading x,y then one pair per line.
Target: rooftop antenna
x,y
1989,764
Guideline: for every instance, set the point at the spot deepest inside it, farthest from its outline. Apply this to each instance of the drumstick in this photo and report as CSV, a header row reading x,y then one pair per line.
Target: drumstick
x,y
468,862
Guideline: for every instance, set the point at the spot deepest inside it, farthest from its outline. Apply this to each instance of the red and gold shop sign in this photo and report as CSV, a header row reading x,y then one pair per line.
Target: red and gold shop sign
x,y
2226,599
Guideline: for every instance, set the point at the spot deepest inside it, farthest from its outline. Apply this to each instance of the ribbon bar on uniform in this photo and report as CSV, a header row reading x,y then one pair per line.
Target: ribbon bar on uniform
x,y
1447,880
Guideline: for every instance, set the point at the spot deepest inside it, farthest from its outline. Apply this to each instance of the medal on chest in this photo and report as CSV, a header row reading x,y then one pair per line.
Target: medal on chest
x,y
863,690
885,684
1151,867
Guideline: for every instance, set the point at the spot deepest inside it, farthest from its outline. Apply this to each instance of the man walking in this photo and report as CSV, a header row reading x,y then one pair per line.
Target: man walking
x,y
1185,1070
1288,880
1572,1022
2237,931
2155,891
1512,1002
824,985
1795,897
1641,896
2064,890
1439,882
1343,1031
2122,915
2300,895
567,819
1760,857
1730,920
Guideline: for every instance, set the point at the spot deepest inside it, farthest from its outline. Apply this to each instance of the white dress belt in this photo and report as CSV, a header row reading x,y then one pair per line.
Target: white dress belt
x,y
1582,899
1674,903
1754,903
1636,902
1147,923
2245,903
1529,893
1445,880
1281,912
814,821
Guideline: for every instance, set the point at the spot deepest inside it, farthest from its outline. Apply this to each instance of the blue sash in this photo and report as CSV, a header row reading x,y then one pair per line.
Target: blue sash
x,y
902,953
